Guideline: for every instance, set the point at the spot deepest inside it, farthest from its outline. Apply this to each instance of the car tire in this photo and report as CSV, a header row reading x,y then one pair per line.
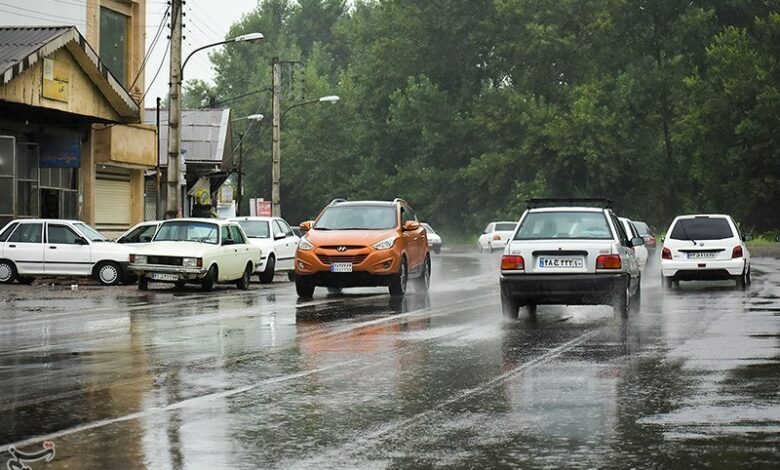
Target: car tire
x,y
479,247
304,286
398,281
143,283
291,276
490,248
437,250
334,290
267,276
7,271
108,273
743,280
243,282
423,282
510,307
207,284
25,280
622,303
666,282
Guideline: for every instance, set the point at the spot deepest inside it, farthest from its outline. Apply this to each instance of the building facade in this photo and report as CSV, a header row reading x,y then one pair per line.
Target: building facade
x,y
72,142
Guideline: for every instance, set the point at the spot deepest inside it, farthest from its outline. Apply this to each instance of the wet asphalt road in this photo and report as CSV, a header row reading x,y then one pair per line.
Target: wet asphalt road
x,y
118,378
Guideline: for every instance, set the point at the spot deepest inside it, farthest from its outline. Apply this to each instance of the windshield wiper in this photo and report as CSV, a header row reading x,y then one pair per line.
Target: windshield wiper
x,y
685,232
321,228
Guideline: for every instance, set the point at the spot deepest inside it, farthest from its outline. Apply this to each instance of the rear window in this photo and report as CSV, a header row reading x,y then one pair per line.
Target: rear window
x,y
564,225
505,227
702,228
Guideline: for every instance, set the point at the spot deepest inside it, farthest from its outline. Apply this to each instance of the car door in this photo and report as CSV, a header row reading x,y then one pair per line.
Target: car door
x,y
66,251
285,247
25,248
413,246
627,255
9,229
486,236
242,249
228,256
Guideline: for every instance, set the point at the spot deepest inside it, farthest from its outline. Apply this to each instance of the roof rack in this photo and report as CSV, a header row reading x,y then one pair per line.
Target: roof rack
x,y
584,201
338,200
398,199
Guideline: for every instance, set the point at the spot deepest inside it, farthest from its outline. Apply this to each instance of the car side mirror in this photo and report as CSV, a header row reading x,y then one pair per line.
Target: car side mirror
x,y
81,241
747,238
637,241
305,226
410,225
278,236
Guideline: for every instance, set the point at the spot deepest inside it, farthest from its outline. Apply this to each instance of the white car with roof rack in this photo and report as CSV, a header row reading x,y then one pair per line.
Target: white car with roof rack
x,y
705,247
55,247
276,240
569,251
496,235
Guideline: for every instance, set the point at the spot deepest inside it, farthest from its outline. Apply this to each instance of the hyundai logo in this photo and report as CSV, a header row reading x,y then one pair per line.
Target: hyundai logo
x,y
341,248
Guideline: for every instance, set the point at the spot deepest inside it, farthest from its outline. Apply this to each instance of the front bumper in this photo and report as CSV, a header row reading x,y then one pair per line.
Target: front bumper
x,y
182,273
577,289
376,262
704,270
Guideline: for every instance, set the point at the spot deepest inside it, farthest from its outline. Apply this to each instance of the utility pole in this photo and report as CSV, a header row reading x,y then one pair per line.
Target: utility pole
x,y
173,196
276,209
240,195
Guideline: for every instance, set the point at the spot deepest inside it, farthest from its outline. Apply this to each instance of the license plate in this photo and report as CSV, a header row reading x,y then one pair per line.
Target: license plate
x,y
546,262
701,255
164,277
341,267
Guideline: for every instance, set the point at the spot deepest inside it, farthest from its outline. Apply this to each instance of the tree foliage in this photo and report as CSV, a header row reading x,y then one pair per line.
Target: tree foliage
x,y
468,107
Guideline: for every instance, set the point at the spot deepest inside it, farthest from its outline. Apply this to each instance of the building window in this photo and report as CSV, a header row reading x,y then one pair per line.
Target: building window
x,y
27,179
7,165
113,42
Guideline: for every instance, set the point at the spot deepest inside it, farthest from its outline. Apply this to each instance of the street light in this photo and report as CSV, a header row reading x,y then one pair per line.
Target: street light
x,y
240,196
173,198
276,173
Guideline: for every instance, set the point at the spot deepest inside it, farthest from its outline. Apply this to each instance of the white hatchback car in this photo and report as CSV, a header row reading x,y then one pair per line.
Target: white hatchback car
x,y
276,239
704,247
633,231
496,235
55,247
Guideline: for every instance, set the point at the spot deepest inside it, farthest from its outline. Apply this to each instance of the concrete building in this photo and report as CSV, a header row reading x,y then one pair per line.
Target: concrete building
x,y
72,142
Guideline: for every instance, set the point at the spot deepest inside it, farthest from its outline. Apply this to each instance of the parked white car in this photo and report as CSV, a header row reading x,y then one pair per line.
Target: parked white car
x,y
277,241
55,247
203,251
496,235
434,240
633,231
705,247
139,234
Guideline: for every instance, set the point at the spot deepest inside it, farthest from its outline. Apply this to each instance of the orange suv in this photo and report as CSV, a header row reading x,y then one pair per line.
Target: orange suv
x,y
363,244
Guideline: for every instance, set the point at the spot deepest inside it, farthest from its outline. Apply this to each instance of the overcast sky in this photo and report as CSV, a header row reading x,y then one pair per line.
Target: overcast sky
x,y
206,21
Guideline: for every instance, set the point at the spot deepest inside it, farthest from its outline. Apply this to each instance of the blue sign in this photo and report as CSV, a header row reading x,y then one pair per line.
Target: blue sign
x,y
59,151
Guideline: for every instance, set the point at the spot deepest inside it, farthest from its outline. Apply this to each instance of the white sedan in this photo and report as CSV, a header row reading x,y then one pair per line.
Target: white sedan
x,y
54,247
277,241
202,251
496,235
632,231
434,239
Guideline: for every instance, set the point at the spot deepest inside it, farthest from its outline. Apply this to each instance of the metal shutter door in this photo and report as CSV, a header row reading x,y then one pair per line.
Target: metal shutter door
x,y
112,204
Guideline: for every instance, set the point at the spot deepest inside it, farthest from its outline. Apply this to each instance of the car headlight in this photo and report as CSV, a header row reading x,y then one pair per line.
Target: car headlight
x,y
385,244
189,262
138,259
304,245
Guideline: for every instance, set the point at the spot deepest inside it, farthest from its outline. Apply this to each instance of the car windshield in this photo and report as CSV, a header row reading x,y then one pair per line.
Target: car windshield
x,y
642,228
428,228
702,228
569,224
255,228
357,217
505,227
188,231
90,232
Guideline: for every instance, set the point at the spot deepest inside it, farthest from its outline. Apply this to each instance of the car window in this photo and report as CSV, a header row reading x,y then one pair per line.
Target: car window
x,y
428,228
277,228
27,233
188,231
621,231
702,228
506,227
62,235
286,229
141,234
642,228
357,217
238,237
564,225
226,235
634,231
255,228
7,232
488,229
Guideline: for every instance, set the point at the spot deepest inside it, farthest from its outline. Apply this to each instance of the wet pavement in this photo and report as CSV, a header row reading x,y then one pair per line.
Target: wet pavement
x,y
117,378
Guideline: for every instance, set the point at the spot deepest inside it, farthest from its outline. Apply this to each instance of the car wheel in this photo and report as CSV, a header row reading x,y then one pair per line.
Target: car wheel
x,y
479,247
666,282
143,283
742,280
24,280
291,276
243,282
398,282
267,276
423,283
490,248
334,290
749,277
510,307
304,286
437,250
7,272
207,284
623,300
108,273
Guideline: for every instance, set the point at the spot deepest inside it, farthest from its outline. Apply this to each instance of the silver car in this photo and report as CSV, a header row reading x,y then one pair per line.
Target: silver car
x,y
572,251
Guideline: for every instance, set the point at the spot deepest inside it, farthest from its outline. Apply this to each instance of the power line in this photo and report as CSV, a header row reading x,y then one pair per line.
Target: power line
x,y
152,45
151,82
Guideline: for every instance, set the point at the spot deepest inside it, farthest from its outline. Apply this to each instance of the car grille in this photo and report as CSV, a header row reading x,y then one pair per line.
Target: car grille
x,y
348,247
169,260
357,259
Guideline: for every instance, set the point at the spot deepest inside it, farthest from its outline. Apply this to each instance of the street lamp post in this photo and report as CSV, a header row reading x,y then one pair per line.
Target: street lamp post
x,y
240,183
276,203
173,198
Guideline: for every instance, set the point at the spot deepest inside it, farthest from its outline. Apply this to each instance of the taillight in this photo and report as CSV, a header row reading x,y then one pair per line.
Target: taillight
x,y
608,262
496,237
666,253
736,252
512,263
